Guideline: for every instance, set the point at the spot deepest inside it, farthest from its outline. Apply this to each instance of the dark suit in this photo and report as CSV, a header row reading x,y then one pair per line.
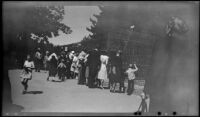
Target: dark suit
x,y
93,64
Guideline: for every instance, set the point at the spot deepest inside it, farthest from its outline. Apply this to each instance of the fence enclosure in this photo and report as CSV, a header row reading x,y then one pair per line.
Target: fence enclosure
x,y
136,47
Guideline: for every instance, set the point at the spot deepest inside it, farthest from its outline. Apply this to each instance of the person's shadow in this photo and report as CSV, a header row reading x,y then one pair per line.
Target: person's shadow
x,y
34,92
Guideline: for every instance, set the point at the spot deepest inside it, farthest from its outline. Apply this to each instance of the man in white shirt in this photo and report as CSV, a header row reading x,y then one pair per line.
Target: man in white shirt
x,y
131,76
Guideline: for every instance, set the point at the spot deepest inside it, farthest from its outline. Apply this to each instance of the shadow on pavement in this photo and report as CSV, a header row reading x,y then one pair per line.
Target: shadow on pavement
x,y
34,92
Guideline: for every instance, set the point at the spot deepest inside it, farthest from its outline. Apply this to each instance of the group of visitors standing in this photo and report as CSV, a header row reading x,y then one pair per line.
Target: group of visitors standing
x,y
91,68
103,66
67,65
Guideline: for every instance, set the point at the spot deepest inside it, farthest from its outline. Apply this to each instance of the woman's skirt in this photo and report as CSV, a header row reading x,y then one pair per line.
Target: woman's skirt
x,y
103,73
52,71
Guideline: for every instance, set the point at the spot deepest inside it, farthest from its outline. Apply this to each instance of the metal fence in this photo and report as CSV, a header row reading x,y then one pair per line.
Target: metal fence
x,y
137,47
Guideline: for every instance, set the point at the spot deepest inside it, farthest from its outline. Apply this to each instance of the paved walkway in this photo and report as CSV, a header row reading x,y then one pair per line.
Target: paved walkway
x,y
68,96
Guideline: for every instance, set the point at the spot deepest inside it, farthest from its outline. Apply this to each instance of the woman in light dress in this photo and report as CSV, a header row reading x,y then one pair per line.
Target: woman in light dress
x,y
102,74
74,67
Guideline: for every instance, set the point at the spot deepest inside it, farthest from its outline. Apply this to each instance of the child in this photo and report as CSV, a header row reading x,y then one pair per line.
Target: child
x,y
61,70
143,105
131,77
27,73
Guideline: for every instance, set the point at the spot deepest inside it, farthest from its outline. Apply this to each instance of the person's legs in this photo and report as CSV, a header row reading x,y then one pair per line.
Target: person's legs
x,y
50,73
72,75
59,74
144,107
25,85
131,87
111,85
68,74
114,85
83,74
102,81
89,82
36,65
39,65
128,90
122,86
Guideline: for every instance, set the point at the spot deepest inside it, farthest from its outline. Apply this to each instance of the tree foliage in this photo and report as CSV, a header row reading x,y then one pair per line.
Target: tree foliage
x,y
21,22
147,18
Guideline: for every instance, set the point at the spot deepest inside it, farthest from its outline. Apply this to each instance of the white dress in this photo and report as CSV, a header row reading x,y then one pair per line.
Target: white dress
x,y
103,70
24,74
74,64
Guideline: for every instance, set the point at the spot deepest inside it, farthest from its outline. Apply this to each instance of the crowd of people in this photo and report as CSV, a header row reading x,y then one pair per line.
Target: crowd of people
x,y
91,68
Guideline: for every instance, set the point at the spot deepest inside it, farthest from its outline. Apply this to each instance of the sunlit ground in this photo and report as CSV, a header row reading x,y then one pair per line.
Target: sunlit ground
x,y
68,96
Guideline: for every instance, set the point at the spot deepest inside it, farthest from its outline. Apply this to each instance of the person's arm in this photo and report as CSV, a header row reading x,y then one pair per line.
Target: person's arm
x,y
49,58
107,60
56,56
65,66
136,68
59,65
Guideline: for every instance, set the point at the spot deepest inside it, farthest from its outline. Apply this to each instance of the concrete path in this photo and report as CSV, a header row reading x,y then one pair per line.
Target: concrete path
x,y
68,96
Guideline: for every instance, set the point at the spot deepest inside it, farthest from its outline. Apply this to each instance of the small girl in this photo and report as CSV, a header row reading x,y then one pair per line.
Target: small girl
x,y
27,73
61,70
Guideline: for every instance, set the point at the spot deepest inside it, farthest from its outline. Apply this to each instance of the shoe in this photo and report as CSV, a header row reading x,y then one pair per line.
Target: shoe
x,y
24,92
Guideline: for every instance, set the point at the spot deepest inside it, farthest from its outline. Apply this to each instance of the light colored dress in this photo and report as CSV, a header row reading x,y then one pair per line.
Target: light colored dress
x,y
103,75
27,74
74,65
